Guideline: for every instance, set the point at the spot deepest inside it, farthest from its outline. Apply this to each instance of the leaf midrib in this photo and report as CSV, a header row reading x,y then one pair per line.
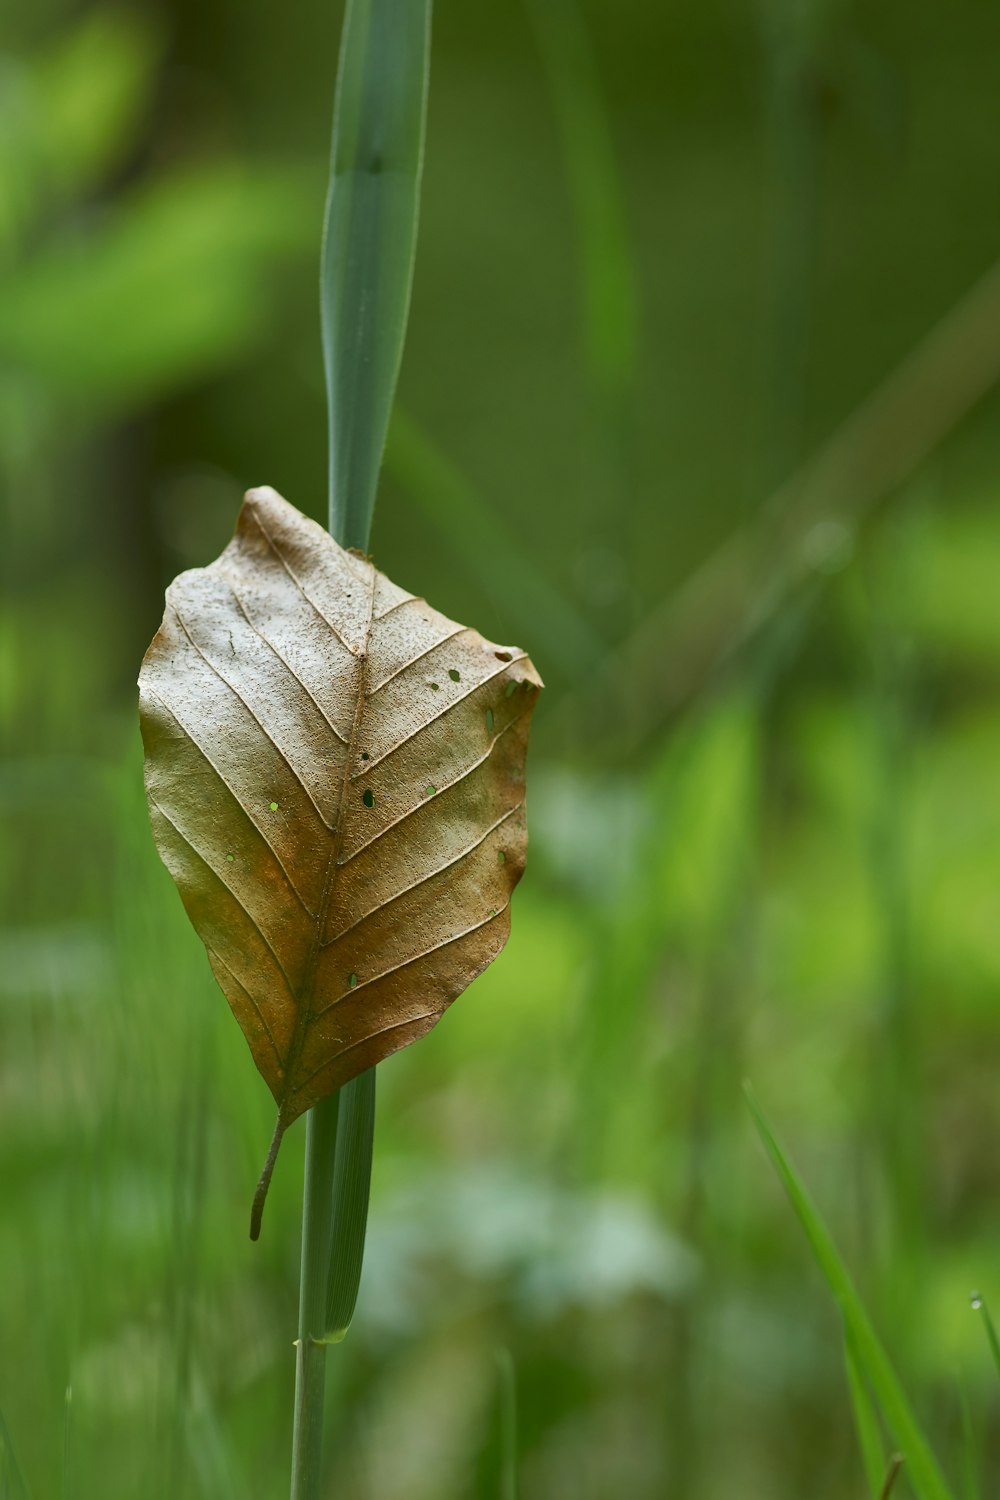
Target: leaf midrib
x,y
333,867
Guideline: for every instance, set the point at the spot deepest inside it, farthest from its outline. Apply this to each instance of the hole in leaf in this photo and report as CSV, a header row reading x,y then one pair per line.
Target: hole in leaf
x,y
368,797
230,857
274,807
503,656
454,674
352,980
434,686
365,755
501,857
430,791
489,720
509,689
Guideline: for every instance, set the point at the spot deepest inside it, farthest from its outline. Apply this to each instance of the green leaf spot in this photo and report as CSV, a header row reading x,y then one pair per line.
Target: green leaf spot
x,y
501,857
368,797
453,674
352,980
434,686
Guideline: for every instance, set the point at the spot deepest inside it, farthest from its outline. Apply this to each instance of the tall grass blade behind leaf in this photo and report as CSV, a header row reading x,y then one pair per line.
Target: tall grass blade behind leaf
x,y
369,242
924,1473
351,1185
366,272
484,546
865,1418
609,284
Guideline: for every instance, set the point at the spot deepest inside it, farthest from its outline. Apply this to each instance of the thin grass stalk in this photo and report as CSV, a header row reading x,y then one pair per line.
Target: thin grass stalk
x,y
970,1453
892,1474
13,1485
508,1425
310,1350
369,241
67,1438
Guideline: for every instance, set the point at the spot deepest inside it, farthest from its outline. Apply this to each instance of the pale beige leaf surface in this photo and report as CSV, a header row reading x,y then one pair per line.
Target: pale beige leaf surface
x,y
335,774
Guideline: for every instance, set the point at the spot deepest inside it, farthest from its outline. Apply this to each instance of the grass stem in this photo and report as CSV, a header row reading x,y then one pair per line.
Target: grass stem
x,y
369,240
310,1350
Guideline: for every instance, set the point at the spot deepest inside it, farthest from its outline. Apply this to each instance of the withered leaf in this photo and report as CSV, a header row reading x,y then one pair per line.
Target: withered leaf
x,y
335,775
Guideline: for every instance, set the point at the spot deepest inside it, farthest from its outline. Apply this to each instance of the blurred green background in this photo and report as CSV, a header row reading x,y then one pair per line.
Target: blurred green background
x,y
667,254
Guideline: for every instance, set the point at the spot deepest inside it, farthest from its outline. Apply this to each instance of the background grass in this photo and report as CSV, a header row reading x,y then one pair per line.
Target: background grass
x,y
665,252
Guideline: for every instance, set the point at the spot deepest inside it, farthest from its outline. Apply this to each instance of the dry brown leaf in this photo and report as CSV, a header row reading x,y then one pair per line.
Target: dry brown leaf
x,y
335,775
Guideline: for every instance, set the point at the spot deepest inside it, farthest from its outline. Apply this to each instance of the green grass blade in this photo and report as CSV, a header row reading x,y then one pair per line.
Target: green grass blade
x,y
924,1473
865,1418
351,1185
609,283
13,1485
369,241
970,1450
979,1305
508,1425
67,1442
472,527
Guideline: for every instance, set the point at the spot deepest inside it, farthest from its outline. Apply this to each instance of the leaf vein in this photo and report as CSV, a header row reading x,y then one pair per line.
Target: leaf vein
x,y
405,963
424,1015
442,713
239,805
459,630
228,888
214,953
264,731
298,582
399,604
416,884
285,663
441,789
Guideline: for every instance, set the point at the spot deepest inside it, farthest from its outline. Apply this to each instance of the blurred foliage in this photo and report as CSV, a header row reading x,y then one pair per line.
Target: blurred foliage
x,y
664,253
